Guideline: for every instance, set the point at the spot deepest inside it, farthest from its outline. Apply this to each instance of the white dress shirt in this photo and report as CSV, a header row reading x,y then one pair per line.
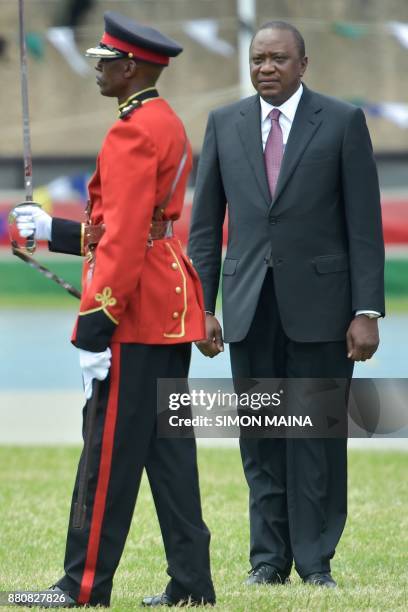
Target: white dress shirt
x,y
288,110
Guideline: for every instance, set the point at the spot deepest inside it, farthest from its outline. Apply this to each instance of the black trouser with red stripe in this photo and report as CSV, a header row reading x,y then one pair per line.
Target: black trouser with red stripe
x,y
124,443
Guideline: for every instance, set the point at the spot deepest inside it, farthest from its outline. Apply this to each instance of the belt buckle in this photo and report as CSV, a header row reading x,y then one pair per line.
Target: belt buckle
x,y
169,229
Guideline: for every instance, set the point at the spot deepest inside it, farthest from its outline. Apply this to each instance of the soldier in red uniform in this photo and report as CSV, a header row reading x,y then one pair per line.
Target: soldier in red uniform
x,y
140,310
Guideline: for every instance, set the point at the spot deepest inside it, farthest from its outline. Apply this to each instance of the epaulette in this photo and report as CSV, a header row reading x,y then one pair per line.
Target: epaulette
x,y
129,108
136,101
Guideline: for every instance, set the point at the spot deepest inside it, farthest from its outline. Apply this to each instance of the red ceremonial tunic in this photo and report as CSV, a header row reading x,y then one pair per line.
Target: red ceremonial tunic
x,y
134,292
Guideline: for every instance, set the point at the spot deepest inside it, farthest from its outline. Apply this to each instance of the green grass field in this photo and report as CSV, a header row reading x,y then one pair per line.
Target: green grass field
x,y
370,565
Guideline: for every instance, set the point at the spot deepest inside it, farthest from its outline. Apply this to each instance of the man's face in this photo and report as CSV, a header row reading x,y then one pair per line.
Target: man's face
x,y
275,65
110,77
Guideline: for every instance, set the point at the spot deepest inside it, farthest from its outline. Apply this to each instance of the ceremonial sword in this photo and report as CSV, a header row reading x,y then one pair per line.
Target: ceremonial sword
x,y
28,160
79,513
30,245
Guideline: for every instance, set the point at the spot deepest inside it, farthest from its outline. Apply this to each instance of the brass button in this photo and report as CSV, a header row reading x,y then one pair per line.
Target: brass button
x,y
175,315
191,261
178,290
174,265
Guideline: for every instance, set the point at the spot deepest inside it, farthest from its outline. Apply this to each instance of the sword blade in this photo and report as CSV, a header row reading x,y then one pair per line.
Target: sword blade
x,y
28,165
18,252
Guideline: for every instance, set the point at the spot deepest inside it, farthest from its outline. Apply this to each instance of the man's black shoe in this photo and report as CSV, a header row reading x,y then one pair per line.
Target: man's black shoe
x,y
265,574
53,597
158,600
165,600
321,579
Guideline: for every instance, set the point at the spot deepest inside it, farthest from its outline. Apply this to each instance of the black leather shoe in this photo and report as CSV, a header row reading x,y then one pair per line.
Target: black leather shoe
x,y
265,574
53,597
166,600
158,600
321,579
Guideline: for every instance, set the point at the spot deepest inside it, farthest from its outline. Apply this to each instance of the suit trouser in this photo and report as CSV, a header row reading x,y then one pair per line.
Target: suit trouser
x,y
297,487
125,442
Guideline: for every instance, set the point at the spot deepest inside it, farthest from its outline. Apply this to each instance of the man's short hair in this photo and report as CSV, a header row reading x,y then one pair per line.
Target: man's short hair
x,y
284,25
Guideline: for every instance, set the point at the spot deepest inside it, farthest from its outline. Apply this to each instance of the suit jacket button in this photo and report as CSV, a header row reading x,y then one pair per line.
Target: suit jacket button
x,y
174,265
178,289
273,220
279,262
175,315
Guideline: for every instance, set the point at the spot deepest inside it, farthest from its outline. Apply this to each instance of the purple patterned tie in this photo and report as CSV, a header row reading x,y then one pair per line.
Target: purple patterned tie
x,y
274,150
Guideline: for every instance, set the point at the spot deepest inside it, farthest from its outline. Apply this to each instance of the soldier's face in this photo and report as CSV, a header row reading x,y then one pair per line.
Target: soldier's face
x,y
110,77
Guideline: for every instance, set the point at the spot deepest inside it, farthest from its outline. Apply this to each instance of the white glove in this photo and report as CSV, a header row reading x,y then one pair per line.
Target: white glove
x,y
31,220
94,365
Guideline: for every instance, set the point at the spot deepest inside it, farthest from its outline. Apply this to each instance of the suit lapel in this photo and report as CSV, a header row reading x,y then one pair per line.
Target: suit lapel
x,y
249,128
305,125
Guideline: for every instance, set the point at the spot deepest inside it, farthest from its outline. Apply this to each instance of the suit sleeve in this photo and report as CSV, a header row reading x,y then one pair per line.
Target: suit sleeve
x,y
208,213
363,216
67,237
128,166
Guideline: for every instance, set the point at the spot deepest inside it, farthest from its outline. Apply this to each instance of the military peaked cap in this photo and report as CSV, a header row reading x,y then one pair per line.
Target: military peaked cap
x,y
126,38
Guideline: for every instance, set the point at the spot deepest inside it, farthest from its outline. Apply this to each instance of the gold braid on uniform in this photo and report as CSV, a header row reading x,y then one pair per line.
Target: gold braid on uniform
x,y
136,100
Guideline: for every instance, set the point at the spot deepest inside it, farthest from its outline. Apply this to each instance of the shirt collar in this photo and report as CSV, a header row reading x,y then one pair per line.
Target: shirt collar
x,y
288,108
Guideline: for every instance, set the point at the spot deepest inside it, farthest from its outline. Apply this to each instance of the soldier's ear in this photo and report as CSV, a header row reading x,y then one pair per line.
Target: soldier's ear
x,y
130,68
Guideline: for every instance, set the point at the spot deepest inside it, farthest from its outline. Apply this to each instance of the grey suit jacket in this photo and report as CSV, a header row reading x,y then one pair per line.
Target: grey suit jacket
x,y
322,230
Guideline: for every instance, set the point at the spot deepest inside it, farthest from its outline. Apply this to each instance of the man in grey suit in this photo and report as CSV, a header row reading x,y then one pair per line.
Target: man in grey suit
x,y
302,283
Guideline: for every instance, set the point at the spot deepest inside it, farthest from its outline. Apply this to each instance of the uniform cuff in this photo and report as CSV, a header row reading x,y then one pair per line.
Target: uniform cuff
x,y
66,237
94,331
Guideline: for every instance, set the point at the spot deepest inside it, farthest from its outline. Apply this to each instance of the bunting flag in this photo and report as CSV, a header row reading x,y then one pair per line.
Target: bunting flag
x,y
396,112
400,31
349,30
35,45
63,40
206,32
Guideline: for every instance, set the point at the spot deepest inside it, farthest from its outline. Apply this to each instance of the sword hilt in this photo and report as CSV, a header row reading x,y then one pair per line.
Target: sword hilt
x,y
31,244
31,241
